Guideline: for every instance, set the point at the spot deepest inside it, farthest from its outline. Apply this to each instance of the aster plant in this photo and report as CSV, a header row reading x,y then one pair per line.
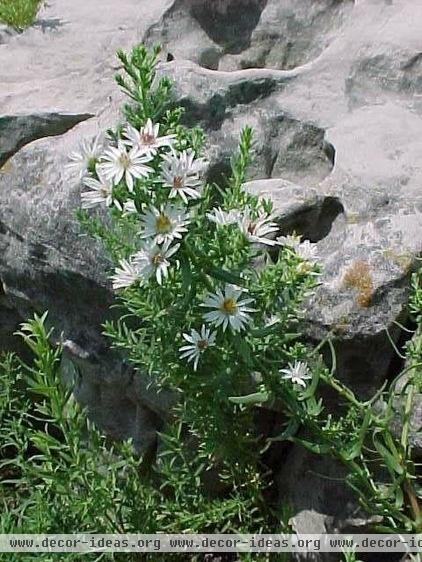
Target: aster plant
x,y
210,298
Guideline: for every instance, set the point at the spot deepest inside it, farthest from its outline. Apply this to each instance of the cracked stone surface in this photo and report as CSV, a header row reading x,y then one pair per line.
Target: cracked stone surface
x,y
332,89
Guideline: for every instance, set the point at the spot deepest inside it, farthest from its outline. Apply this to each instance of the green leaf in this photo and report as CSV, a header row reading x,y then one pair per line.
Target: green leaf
x,y
255,398
390,460
226,276
356,448
244,350
290,431
186,275
318,448
310,391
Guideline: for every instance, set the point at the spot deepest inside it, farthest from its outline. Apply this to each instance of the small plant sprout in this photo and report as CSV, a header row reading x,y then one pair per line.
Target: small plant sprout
x,y
19,13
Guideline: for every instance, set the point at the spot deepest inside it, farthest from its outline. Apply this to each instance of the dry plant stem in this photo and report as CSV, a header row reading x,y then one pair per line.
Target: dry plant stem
x,y
414,505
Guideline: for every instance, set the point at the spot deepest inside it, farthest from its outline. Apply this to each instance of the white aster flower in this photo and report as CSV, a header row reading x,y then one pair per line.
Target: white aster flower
x,y
164,224
298,373
228,309
181,173
198,343
147,139
153,260
85,159
101,192
291,240
223,218
305,250
129,207
126,274
258,230
118,162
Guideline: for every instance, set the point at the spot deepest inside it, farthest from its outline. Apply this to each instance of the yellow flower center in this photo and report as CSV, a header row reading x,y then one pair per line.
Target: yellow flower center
x,y
202,344
229,306
178,182
251,227
162,224
157,259
124,161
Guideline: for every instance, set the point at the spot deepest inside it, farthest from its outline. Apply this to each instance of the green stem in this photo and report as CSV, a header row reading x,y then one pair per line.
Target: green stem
x,y
194,261
406,418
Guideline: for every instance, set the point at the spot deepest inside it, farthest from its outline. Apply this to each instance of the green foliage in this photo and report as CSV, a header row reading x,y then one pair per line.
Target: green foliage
x,y
219,429
59,476
19,13
379,461
350,557
59,472
217,401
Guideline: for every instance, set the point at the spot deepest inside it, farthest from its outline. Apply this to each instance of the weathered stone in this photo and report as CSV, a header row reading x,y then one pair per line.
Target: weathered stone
x,y
56,74
6,32
336,112
18,130
239,34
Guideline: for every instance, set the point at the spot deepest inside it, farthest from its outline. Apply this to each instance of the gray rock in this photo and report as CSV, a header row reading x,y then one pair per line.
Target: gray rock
x,y
6,32
58,74
336,111
18,130
239,34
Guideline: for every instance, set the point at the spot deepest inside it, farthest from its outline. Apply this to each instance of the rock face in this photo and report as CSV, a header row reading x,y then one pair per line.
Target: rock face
x,y
333,91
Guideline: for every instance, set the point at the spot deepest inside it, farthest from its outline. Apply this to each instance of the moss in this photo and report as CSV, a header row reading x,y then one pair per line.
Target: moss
x,y
359,278
353,218
403,260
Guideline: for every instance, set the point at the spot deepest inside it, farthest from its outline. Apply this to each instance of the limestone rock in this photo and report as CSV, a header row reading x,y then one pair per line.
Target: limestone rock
x,y
332,89
18,130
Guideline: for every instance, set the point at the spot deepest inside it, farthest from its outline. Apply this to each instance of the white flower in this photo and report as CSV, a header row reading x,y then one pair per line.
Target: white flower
x,y
164,224
147,139
153,260
297,373
101,192
290,240
229,310
125,275
181,172
305,250
86,157
223,218
129,207
258,230
198,343
118,162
